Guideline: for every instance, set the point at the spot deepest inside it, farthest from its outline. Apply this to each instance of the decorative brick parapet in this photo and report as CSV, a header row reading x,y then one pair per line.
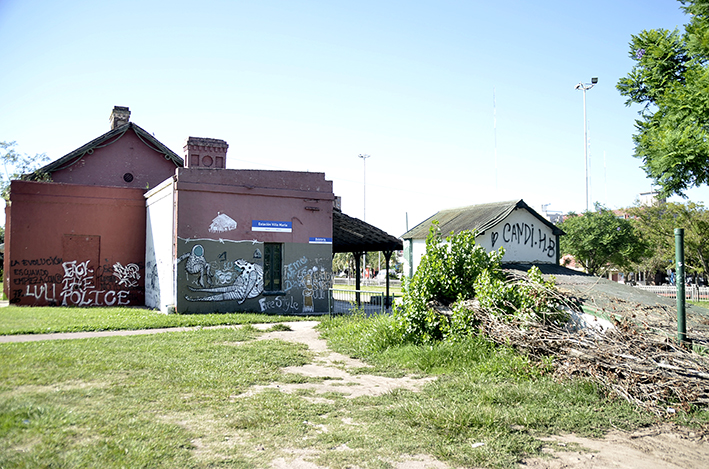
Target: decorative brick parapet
x,y
205,153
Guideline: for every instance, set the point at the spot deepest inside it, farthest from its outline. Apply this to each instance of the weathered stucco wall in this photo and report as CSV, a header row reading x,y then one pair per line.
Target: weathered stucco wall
x,y
160,247
75,245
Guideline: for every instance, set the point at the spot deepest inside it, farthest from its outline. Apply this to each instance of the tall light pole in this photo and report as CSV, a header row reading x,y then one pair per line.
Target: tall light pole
x,y
364,164
586,86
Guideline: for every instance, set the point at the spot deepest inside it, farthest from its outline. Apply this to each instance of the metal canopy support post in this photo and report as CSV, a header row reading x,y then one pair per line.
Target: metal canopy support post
x,y
387,300
358,264
679,279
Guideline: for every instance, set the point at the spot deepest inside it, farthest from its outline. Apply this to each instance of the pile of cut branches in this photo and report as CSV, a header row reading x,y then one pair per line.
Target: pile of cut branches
x,y
646,369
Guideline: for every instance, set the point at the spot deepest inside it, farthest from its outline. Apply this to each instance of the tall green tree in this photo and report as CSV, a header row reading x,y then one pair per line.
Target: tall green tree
x,y
16,165
656,226
670,80
600,240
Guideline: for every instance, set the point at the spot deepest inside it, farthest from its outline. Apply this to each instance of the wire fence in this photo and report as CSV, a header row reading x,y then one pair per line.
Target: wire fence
x,y
366,282
691,292
351,301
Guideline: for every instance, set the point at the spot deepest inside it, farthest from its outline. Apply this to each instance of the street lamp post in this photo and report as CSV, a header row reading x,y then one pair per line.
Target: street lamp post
x,y
586,86
364,191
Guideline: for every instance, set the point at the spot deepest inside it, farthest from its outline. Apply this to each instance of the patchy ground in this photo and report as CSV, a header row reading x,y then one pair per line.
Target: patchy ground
x,y
664,446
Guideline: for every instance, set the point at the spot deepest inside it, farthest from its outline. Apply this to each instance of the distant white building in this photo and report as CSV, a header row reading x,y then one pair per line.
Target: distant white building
x,y
650,198
528,237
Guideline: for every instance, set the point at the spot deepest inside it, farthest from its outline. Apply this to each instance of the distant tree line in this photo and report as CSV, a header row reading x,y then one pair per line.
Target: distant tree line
x,y
638,239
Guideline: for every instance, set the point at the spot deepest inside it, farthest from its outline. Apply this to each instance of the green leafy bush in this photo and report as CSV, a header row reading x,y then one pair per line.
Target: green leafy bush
x,y
437,304
446,274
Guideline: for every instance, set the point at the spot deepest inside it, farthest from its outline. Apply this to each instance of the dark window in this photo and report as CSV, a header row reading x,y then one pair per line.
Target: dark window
x,y
272,266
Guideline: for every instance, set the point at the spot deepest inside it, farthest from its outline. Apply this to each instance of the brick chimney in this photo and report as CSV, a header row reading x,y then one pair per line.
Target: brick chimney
x,y
119,116
205,153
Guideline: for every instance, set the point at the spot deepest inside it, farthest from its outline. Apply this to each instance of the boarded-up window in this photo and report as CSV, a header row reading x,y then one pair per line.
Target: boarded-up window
x,y
81,248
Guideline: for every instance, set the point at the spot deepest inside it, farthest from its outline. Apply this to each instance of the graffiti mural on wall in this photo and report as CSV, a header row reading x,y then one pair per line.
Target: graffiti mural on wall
x,y
127,276
524,234
78,288
225,271
280,303
313,279
76,285
222,223
197,265
218,278
247,283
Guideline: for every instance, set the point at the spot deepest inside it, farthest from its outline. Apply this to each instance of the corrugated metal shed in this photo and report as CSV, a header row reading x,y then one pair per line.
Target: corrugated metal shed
x,y
474,218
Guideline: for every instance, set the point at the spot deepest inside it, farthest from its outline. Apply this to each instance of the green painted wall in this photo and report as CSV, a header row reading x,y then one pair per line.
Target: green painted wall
x,y
221,276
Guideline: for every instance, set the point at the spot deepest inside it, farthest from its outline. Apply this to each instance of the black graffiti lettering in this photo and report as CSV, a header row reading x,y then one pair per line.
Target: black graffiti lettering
x,y
16,296
222,256
542,240
30,271
53,260
528,234
36,279
523,233
14,262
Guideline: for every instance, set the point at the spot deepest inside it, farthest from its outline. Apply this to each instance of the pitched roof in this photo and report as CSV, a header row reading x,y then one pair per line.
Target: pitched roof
x,y
474,218
354,235
107,139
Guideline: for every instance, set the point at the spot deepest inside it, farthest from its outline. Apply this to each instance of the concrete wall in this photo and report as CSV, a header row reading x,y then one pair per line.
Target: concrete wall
x,y
74,245
224,217
107,166
160,247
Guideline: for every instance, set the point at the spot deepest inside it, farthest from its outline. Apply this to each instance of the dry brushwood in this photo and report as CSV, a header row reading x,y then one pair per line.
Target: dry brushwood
x,y
648,370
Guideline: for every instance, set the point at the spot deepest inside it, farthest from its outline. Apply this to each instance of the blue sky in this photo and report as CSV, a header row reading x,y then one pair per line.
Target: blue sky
x,y
456,102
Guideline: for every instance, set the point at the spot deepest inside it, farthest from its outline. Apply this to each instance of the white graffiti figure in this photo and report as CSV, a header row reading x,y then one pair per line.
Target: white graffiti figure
x,y
127,276
249,284
196,264
222,223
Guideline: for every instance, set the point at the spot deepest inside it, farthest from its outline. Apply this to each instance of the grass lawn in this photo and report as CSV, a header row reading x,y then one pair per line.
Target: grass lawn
x,y
703,304
186,399
42,320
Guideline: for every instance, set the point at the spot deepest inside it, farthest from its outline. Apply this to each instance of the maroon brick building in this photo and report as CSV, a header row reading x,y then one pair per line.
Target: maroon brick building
x,y
124,222
80,239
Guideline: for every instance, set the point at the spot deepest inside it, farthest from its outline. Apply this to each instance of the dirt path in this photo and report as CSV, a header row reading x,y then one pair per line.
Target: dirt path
x,y
664,447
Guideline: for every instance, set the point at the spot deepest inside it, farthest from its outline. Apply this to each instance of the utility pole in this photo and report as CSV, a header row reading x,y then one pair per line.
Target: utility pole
x,y
584,87
364,185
